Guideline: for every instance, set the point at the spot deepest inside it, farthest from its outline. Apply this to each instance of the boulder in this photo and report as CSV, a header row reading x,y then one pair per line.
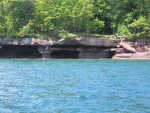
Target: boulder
x,y
127,47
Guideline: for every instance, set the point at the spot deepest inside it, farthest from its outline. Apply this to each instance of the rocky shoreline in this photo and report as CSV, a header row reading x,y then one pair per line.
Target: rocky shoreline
x,y
78,48
133,50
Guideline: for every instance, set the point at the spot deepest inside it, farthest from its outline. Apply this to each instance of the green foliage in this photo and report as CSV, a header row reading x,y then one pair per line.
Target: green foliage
x,y
26,30
140,28
65,34
96,25
123,30
64,18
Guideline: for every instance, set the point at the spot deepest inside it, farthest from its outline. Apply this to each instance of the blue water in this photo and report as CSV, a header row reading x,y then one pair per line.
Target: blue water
x,y
74,86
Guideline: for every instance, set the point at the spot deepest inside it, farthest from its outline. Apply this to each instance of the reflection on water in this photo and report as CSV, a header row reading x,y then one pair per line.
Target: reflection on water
x,y
74,86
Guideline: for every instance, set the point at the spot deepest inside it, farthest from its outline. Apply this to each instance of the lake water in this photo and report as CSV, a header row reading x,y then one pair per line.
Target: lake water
x,y
74,86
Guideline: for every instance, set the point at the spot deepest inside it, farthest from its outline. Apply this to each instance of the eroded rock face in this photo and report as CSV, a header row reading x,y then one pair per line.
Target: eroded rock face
x,y
95,53
143,45
57,42
81,47
133,50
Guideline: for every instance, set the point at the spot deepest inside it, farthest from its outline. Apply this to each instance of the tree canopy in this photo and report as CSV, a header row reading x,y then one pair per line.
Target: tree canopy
x,y
44,18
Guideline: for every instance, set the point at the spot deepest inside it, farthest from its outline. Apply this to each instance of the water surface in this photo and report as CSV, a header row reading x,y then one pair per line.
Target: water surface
x,y
74,86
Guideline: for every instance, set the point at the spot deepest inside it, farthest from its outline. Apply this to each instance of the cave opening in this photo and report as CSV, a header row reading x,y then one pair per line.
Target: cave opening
x,y
67,54
111,54
19,51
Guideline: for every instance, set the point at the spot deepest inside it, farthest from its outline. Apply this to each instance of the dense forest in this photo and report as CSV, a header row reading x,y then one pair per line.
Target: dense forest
x,y
68,18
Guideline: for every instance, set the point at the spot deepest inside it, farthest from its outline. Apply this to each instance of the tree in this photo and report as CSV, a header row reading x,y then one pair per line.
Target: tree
x,y
42,18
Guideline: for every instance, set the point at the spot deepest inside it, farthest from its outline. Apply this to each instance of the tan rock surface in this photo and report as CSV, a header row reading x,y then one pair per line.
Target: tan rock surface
x,y
127,46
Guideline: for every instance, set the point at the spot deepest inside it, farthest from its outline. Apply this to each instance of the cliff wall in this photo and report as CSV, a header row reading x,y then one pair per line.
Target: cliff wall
x,y
57,48
133,50
78,48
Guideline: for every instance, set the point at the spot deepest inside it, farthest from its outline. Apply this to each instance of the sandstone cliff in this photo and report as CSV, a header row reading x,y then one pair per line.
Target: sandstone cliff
x,y
133,50
60,42
80,47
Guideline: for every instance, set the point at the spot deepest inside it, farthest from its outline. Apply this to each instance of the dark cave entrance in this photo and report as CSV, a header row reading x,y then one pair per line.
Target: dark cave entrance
x,y
19,51
72,54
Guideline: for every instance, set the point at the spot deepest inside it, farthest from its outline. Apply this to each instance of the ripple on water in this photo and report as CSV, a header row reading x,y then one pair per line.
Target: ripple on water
x,y
74,86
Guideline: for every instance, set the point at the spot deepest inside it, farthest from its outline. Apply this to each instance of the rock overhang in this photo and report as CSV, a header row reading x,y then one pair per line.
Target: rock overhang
x,y
80,41
80,47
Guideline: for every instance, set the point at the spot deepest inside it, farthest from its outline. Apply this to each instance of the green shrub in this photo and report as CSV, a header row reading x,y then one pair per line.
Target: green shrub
x,y
65,34
140,28
123,30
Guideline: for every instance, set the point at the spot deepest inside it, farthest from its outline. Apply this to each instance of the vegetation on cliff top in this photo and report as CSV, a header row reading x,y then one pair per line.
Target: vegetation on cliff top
x,y
66,18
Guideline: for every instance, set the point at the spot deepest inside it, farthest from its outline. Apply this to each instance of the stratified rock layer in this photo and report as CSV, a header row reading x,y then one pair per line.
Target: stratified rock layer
x,y
80,47
60,42
133,50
